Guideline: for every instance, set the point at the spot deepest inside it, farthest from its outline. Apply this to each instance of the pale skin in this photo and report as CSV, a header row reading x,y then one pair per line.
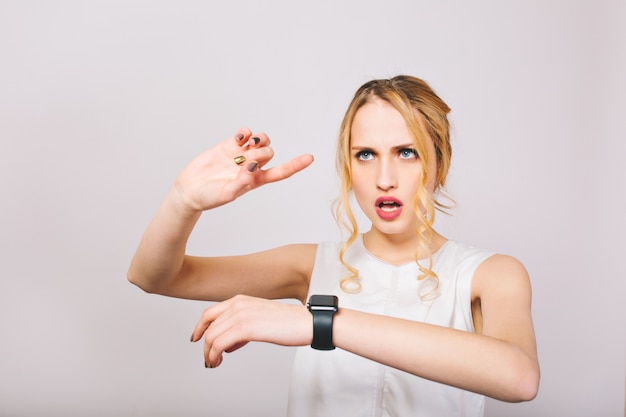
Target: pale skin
x,y
498,360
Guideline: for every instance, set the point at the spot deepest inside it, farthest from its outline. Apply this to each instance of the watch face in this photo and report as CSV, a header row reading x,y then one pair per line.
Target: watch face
x,y
328,301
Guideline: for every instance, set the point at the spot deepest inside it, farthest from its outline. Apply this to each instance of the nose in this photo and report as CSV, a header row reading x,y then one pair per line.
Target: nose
x,y
387,178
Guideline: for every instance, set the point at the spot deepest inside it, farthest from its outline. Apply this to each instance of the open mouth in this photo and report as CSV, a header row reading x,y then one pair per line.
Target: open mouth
x,y
389,205
388,208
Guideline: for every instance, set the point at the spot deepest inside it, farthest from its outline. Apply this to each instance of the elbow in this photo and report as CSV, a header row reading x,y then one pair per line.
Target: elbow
x,y
526,386
132,278
530,388
148,283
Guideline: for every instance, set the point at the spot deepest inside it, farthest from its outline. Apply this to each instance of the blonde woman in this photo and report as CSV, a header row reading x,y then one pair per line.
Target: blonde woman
x,y
422,325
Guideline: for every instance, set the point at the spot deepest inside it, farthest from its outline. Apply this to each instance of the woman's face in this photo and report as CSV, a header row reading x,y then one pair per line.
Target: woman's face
x,y
386,169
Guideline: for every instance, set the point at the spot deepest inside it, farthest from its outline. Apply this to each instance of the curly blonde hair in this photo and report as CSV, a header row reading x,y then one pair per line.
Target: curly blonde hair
x,y
421,108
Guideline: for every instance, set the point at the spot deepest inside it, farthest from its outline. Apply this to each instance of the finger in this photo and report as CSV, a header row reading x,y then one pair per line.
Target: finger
x,y
235,347
245,176
226,334
242,136
209,363
208,316
286,170
261,155
228,331
259,140
199,330
227,342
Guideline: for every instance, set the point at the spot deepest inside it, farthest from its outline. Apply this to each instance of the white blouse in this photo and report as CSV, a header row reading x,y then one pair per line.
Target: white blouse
x,y
340,384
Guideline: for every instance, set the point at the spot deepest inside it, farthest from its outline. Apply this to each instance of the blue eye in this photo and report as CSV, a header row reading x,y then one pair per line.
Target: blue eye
x,y
364,155
408,153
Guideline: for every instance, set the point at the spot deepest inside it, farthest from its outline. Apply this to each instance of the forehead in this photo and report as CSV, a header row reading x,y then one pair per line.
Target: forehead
x,y
378,123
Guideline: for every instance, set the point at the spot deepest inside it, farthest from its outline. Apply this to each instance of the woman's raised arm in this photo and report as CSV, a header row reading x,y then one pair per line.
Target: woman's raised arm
x,y
214,178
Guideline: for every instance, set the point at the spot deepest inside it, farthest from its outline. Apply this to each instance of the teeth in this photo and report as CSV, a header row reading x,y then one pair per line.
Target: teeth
x,y
388,203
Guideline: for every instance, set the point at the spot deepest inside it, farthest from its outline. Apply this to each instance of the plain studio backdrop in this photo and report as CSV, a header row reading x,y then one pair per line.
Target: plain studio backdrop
x,y
102,103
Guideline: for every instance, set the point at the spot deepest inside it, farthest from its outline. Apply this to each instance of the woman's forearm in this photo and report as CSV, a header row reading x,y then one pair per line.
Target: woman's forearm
x,y
161,252
470,361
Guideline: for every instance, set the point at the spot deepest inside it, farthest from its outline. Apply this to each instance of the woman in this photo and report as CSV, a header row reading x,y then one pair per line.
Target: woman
x,y
425,326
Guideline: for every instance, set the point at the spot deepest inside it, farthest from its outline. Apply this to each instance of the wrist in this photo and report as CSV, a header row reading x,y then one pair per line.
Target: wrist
x,y
178,202
323,309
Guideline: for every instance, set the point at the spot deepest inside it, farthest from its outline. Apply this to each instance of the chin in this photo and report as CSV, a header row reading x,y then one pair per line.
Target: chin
x,y
394,228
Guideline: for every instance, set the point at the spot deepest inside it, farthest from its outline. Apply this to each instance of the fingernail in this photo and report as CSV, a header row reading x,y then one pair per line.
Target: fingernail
x,y
191,338
252,166
207,365
256,140
239,136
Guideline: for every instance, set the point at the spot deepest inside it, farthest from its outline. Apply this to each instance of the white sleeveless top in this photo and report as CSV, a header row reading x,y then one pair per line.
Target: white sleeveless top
x,y
340,384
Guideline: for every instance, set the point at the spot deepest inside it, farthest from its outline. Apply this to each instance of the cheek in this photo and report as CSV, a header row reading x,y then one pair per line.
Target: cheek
x,y
358,191
358,178
417,175
412,176
361,188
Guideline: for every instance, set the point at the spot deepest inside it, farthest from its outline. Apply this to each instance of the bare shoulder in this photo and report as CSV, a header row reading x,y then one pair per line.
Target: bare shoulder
x,y
499,273
501,301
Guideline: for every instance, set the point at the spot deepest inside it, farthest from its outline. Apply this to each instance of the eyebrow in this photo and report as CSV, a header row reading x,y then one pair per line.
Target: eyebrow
x,y
395,148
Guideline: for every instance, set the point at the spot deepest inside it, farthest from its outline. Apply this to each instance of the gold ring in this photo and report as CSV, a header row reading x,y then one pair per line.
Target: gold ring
x,y
240,159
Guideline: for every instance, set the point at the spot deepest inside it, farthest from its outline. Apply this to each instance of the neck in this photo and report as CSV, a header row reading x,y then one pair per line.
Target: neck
x,y
398,249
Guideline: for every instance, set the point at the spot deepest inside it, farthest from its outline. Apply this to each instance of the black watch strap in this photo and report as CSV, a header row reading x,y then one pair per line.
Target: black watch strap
x,y
323,329
323,309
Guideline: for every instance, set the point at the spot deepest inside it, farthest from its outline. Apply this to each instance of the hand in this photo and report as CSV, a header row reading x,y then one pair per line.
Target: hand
x,y
231,324
213,178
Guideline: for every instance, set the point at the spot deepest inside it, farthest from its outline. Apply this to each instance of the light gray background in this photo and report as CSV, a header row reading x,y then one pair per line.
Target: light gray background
x,y
103,102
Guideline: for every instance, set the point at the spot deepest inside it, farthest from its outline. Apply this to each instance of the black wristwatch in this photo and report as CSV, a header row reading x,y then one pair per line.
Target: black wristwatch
x,y
323,309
